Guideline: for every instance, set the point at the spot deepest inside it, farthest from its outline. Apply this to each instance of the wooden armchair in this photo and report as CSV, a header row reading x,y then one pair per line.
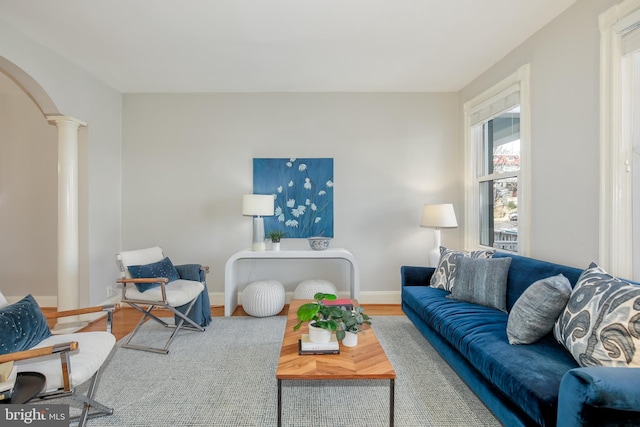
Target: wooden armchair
x,y
66,360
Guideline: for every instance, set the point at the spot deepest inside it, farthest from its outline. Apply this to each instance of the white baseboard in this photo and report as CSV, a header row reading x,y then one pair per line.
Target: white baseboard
x,y
374,297
217,299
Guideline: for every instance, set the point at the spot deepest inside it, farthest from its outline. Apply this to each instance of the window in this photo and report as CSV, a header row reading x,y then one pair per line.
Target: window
x,y
495,138
620,139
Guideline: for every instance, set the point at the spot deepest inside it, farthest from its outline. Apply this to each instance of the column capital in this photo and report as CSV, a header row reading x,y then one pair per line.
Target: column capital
x,y
55,119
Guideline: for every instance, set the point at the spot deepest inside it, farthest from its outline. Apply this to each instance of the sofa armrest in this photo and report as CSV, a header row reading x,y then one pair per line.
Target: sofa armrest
x,y
416,276
599,396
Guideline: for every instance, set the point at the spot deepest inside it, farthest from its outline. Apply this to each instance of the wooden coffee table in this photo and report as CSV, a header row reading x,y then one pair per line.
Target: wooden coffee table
x,y
366,361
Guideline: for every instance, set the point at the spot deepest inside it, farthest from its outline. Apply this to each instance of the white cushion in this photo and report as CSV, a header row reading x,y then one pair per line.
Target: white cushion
x,y
140,257
263,298
308,288
93,349
179,292
3,301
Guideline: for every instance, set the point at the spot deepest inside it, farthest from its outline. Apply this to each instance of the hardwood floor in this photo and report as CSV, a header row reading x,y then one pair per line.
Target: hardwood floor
x,y
126,318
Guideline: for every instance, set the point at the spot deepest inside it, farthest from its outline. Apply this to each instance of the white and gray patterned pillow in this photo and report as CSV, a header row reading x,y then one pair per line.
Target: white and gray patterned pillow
x,y
444,276
537,309
600,325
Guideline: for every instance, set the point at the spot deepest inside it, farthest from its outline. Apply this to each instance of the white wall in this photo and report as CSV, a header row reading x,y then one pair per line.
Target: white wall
x,y
187,160
564,58
28,194
76,94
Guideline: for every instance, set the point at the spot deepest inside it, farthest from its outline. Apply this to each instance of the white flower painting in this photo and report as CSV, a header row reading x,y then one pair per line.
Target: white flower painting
x,y
303,194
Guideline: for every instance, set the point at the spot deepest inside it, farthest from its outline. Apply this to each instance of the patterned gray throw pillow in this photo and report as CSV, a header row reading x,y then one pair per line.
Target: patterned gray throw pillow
x,y
482,281
600,325
444,276
537,309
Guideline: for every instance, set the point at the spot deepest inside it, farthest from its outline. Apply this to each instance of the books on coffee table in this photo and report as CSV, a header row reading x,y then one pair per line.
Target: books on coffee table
x,y
305,346
340,302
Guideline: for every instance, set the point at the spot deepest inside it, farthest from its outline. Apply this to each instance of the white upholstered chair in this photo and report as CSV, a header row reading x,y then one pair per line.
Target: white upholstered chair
x,y
66,360
149,280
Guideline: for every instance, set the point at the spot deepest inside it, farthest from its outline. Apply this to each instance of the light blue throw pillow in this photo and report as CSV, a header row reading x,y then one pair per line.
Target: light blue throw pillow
x,y
482,281
535,312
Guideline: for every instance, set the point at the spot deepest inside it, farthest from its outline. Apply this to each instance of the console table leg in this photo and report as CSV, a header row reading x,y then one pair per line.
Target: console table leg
x,y
392,405
279,403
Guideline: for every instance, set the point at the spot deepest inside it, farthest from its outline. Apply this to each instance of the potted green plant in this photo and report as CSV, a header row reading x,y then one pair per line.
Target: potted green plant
x,y
350,325
275,236
323,319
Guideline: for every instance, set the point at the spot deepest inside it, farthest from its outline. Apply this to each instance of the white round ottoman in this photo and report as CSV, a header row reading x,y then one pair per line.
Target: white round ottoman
x,y
263,298
308,288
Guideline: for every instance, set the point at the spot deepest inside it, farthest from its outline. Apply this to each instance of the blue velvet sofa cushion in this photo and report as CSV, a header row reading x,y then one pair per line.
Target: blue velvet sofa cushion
x,y
479,334
524,271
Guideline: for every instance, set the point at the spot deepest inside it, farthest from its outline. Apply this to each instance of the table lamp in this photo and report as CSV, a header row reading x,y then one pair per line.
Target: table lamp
x,y
258,205
437,217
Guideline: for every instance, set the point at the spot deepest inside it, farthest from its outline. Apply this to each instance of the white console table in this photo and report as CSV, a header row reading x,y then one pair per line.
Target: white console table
x,y
231,269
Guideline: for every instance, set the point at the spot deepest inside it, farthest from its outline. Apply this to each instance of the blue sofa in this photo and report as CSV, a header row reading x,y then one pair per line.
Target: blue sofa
x,y
522,385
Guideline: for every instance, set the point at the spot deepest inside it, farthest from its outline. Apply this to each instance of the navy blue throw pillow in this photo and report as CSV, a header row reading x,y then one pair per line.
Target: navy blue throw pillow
x,y
22,326
164,268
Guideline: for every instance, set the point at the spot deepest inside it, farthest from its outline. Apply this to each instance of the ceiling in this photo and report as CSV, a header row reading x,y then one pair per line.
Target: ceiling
x,y
157,46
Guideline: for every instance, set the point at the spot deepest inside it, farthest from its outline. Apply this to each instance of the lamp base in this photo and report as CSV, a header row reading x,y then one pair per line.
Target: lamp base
x,y
258,244
434,254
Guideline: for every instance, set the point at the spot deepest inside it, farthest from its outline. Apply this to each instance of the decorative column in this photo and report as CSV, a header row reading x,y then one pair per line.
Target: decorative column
x,y
68,245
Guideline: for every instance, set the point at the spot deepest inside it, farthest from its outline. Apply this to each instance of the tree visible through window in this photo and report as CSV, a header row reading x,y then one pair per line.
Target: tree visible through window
x,y
498,142
498,175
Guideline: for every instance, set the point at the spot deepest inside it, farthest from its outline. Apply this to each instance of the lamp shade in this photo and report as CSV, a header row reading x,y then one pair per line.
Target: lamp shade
x,y
257,205
438,216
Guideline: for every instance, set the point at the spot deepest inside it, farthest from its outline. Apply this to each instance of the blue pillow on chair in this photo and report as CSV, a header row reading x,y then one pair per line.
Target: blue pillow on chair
x,y
164,268
22,326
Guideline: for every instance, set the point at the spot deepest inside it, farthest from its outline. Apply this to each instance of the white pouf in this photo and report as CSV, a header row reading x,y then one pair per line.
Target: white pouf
x,y
263,298
308,288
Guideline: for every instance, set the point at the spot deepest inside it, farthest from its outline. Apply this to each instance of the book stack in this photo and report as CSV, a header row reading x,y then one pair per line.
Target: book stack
x,y
343,302
8,374
305,346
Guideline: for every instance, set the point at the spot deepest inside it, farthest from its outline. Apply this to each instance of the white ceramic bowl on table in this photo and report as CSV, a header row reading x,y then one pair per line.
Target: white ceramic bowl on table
x,y
319,243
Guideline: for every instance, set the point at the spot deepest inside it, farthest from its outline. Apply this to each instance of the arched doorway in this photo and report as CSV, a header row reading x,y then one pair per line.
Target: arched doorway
x,y
67,183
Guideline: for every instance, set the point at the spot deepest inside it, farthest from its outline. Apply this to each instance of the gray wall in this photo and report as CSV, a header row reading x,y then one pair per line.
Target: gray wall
x,y
28,194
187,160
77,94
564,58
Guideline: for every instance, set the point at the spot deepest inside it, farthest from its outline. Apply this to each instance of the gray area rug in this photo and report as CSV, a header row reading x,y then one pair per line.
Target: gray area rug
x,y
226,377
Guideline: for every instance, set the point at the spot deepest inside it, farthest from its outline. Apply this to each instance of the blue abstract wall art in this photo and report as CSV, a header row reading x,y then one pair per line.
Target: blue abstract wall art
x,y
303,195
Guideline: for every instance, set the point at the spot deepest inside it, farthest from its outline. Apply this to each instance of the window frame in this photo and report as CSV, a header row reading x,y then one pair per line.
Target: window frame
x,y
480,109
616,196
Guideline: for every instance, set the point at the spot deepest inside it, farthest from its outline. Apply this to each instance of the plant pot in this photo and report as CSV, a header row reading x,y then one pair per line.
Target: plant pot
x,y
350,339
319,335
275,246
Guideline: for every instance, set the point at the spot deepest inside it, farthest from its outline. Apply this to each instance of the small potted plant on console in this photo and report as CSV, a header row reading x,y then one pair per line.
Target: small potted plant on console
x,y
323,319
275,236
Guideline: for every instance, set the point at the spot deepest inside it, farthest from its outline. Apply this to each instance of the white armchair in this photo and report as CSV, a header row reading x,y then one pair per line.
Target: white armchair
x,y
66,360
150,280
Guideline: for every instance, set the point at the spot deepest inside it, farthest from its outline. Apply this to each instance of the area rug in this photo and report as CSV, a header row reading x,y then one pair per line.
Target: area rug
x,y
226,377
